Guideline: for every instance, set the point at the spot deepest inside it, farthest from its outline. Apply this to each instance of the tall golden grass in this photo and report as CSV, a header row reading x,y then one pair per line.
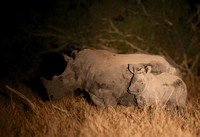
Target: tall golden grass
x,y
73,116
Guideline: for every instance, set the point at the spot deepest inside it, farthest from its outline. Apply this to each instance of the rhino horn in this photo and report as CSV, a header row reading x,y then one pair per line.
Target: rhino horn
x,y
44,81
67,58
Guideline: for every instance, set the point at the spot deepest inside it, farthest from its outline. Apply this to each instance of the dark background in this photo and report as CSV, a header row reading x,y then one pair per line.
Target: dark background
x,y
33,33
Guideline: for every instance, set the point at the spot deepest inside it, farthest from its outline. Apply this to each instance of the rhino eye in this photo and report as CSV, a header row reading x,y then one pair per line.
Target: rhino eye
x,y
60,79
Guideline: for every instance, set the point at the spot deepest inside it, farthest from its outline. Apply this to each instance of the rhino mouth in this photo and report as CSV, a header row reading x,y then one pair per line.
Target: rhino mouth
x,y
52,88
136,92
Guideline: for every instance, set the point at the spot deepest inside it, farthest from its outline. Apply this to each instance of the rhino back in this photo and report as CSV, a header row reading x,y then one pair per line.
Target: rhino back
x,y
168,87
102,59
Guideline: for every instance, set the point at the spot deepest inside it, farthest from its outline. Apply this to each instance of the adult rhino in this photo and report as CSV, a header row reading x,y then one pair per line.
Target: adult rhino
x,y
159,90
104,75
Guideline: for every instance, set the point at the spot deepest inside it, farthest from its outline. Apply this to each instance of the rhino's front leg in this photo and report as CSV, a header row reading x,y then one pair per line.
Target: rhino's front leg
x,y
105,98
128,99
140,101
96,100
109,99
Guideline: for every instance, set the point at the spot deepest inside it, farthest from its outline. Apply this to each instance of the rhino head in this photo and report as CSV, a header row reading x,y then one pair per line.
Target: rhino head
x,y
63,84
139,80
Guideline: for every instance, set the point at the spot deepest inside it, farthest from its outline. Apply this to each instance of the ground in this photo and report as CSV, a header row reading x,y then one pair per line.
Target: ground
x,y
74,116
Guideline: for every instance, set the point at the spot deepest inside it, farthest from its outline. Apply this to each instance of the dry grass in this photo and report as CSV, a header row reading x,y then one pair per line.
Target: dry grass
x,y
74,116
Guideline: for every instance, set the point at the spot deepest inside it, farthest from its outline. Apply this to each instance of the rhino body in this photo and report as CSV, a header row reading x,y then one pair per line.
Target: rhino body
x,y
162,89
104,75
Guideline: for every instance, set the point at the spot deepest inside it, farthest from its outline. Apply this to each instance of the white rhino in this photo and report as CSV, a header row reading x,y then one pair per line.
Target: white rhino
x,y
162,89
104,75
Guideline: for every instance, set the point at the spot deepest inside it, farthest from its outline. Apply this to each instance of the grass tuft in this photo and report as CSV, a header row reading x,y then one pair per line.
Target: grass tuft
x,y
73,116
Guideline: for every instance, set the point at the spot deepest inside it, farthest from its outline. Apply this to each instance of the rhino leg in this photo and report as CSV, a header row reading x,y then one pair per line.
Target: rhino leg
x,y
97,101
128,100
177,100
109,99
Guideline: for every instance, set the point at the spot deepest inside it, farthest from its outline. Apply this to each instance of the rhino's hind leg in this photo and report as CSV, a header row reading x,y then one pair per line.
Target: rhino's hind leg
x,y
171,106
177,102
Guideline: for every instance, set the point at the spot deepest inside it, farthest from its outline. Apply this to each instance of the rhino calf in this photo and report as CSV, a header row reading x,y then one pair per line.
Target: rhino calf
x,y
161,89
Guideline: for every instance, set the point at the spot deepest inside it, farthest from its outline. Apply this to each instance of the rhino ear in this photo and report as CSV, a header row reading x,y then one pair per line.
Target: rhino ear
x,y
74,54
67,58
131,68
147,69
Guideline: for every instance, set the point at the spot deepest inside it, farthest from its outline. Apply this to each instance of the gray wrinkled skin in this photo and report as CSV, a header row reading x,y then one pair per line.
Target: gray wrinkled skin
x,y
151,89
104,75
